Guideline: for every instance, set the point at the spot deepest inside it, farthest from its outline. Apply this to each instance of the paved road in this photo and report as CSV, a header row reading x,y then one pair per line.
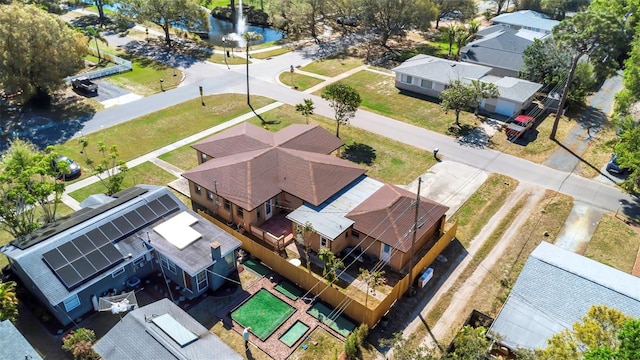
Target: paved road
x,y
263,81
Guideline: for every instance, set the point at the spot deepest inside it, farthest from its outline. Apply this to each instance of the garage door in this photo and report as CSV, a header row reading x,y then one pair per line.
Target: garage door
x,y
505,107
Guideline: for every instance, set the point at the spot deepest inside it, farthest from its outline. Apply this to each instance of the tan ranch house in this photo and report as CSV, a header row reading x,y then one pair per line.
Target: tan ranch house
x,y
274,185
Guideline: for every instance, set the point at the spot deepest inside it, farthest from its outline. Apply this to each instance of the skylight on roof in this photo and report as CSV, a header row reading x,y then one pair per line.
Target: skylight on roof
x,y
178,230
176,331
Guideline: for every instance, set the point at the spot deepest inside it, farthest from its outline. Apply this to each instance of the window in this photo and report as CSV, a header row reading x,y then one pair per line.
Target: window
x,y
210,195
230,259
227,205
167,264
138,262
202,280
203,156
407,79
324,242
71,303
198,189
239,212
427,84
355,234
117,272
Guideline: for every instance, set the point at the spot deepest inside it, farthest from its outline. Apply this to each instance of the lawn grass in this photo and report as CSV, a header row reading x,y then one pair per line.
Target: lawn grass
x,y
155,130
145,77
614,243
146,173
301,82
481,206
5,237
271,53
234,341
395,162
334,65
184,157
320,345
232,60
599,150
379,95
263,312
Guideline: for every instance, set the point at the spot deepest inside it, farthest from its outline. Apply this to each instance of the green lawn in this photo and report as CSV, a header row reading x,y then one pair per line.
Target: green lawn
x,y
146,173
379,94
320,345
164,127
614,243
263,312
232,60
302,82
271,53
333,66
145,77
183,157
395,162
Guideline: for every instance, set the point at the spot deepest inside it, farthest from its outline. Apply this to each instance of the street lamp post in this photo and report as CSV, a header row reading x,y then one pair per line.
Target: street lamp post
x,y
161,86
618,209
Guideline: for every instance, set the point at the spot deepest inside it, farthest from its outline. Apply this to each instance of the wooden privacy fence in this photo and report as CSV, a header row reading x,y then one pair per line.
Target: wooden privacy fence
x,y
330,295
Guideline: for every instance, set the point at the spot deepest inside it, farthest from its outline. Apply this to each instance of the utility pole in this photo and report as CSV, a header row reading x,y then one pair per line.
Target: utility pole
x,y
413,239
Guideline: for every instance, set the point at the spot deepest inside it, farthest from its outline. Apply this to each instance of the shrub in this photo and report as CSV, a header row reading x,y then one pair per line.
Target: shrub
x,y
79,343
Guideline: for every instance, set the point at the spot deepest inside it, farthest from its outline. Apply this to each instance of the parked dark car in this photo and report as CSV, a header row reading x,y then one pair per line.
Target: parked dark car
x,y
613,166
74,168
85,85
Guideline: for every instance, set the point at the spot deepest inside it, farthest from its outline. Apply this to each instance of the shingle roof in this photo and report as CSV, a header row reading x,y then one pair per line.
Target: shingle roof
x,y
515,89
248,178
31,261
555,289
526,18
388,216
499,46
441,70
14,345
247,137
135,337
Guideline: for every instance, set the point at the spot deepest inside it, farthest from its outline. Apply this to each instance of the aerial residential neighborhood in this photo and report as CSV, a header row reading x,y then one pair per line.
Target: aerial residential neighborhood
x,y
319,180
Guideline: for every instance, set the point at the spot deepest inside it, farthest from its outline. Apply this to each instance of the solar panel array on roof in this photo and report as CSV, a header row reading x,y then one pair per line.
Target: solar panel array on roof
x,y
80,260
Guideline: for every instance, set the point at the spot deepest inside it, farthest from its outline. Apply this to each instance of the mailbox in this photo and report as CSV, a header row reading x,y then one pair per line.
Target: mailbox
x,y
426,276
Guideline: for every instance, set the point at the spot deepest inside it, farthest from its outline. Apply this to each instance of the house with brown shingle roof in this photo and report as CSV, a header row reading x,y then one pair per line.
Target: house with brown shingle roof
x,y
272,185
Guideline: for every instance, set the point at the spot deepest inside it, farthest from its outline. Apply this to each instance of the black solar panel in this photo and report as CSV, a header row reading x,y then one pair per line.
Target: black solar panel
x,y
136,220
97,237
54,259
146,213
157,207
74,272
123,225
69,276
111,253
98,260
168,202
69,251
110,231
84,244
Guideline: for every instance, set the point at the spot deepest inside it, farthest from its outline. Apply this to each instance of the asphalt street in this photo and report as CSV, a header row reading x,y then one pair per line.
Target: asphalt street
x,y
215,78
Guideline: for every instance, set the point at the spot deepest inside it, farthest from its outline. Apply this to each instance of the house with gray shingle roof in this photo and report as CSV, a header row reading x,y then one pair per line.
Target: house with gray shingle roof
x,y
430,75
110,247
161,331
527,20
555,289
272,185
14,344
501,48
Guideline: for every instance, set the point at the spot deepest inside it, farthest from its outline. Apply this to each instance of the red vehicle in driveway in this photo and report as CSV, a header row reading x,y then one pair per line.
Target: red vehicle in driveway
x,y
518,126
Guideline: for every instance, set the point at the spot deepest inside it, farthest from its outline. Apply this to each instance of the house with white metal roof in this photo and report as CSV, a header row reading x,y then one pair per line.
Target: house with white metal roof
x,y
527,20
555,289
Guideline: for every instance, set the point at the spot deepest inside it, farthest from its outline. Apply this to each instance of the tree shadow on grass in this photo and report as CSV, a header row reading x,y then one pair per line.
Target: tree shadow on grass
x,y
359,153
461,130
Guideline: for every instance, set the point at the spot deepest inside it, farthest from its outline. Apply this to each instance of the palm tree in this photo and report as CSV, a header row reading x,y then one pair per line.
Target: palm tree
x,y
8,301
306,108
95,34
250,36
331,265
308,228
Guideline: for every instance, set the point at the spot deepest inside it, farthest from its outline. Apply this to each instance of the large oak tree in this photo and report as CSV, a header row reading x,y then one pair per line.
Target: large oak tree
x,y
37,51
